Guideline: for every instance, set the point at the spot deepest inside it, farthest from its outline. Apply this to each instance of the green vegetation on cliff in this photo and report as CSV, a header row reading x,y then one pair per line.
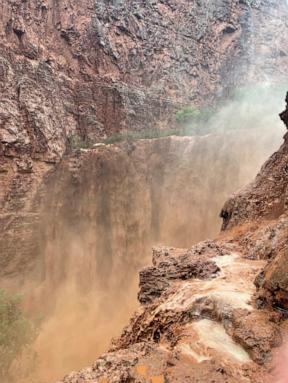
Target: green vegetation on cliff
x,y
16,334
193,115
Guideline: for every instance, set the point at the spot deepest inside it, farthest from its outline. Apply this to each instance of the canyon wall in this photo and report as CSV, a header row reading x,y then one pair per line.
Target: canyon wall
x,y
103,66
86,71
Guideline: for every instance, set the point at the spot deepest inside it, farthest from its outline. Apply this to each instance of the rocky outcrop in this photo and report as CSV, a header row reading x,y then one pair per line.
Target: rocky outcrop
x,y
273,283
97,215
266,197
168,267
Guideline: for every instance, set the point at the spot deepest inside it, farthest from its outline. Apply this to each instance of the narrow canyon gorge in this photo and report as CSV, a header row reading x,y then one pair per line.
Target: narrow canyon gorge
x,y
109,194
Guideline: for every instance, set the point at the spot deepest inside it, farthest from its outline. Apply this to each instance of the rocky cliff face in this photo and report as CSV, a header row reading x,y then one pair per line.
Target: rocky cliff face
x,y
266,197
88,70
202,317
103,66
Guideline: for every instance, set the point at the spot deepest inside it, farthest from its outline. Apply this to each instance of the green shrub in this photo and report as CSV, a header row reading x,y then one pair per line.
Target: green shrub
x,y
191,114
194,121
188,114
16,333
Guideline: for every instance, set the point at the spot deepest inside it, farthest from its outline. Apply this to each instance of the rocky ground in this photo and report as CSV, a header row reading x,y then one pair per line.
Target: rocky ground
x,y
218,311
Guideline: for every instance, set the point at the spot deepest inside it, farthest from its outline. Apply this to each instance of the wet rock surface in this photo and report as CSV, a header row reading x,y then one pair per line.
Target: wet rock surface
x,y
195,263
198,330
273,283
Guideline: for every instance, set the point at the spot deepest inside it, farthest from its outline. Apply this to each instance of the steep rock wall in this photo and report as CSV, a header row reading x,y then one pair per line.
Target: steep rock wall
x,y
103,66
92,69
